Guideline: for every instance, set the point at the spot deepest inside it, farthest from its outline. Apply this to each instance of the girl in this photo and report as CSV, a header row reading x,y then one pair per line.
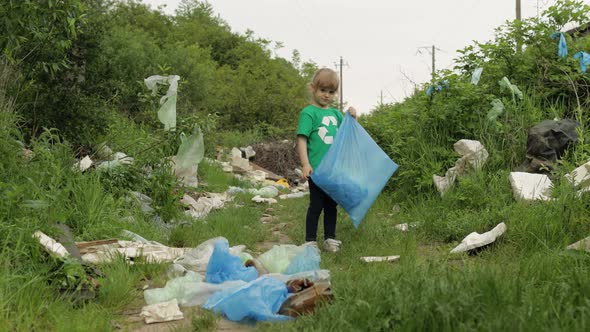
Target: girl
x,y
318,124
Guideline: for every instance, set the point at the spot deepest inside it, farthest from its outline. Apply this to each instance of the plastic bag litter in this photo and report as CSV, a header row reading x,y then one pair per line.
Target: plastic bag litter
x,y
197,258
278,258
354,163
224,266
308,260
476,75
496,110
260,300
167,112
562,47
265,192
174,289
505,84
584,60
189,155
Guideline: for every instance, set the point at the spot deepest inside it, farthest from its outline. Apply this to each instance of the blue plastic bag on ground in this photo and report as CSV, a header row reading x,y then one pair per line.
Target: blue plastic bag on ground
x,y
308,260
223,266
354,170
260,300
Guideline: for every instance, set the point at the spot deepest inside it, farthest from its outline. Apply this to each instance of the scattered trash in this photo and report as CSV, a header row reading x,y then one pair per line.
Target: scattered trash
x,y
197,259
584,60
580,177
259,199
354,170
263,296
514,90
283,182
306,300
190,153
583,245
402,227
224,266
265,192
103,151
84,164
562,47
144,201
238,161
476,75
547,142
161,312
138,238
200,208
289,259
496,110
131,251
473,156
530,186
475,240
248,152
371,259
167,111
313,275
52,246
173,290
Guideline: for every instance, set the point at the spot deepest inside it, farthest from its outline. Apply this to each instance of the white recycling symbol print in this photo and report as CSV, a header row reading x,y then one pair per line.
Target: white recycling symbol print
x,y
327,121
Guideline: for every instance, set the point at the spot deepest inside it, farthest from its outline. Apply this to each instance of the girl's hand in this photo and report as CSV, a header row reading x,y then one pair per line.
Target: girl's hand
x,y
352,111
307,170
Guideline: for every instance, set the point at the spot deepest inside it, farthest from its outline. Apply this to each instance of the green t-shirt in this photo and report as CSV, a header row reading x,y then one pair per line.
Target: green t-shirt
x,y
319,125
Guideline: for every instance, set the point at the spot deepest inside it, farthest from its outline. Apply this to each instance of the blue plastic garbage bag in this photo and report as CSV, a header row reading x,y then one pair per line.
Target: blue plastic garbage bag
x,y
354,170
308,260
260,299
223,266
562,47
584,60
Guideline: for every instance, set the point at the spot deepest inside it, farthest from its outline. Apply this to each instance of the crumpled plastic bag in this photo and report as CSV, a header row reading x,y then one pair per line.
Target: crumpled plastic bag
x,y
308,260
514,90
562,47
476,75
223,266
279,257
189,155
167,111
197,258
354,162
174,289
584,60
260,300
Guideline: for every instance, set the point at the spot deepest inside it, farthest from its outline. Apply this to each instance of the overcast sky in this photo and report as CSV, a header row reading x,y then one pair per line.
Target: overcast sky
x,y
381,41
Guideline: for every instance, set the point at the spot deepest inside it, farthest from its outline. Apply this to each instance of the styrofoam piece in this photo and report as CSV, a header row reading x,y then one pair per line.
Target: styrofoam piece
x,y
476,240
529,186
583,244
371,259
161,312
580,176
51,245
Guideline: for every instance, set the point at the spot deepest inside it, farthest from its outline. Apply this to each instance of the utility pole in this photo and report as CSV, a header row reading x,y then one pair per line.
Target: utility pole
x,y
381,100
342,64
518,10
432,49
433,61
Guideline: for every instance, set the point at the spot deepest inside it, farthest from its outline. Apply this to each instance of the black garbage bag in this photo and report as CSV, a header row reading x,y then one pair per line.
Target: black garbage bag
x,y
546,143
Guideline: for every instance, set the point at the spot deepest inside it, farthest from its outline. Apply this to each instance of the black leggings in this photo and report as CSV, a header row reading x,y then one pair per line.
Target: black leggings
x,y
318,201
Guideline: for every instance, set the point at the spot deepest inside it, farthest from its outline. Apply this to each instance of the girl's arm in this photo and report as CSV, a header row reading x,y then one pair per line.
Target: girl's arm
x,y
302,151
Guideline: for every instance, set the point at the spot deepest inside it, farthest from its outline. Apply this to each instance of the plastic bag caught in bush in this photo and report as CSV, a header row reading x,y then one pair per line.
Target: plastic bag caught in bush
x,y
189,155
167,112
260,300
224,266
354,170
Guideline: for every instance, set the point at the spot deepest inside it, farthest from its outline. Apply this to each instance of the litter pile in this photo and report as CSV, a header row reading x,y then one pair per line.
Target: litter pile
x,y
284,282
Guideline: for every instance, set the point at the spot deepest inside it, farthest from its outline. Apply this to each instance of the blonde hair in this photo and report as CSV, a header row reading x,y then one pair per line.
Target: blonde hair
x,y
325,78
